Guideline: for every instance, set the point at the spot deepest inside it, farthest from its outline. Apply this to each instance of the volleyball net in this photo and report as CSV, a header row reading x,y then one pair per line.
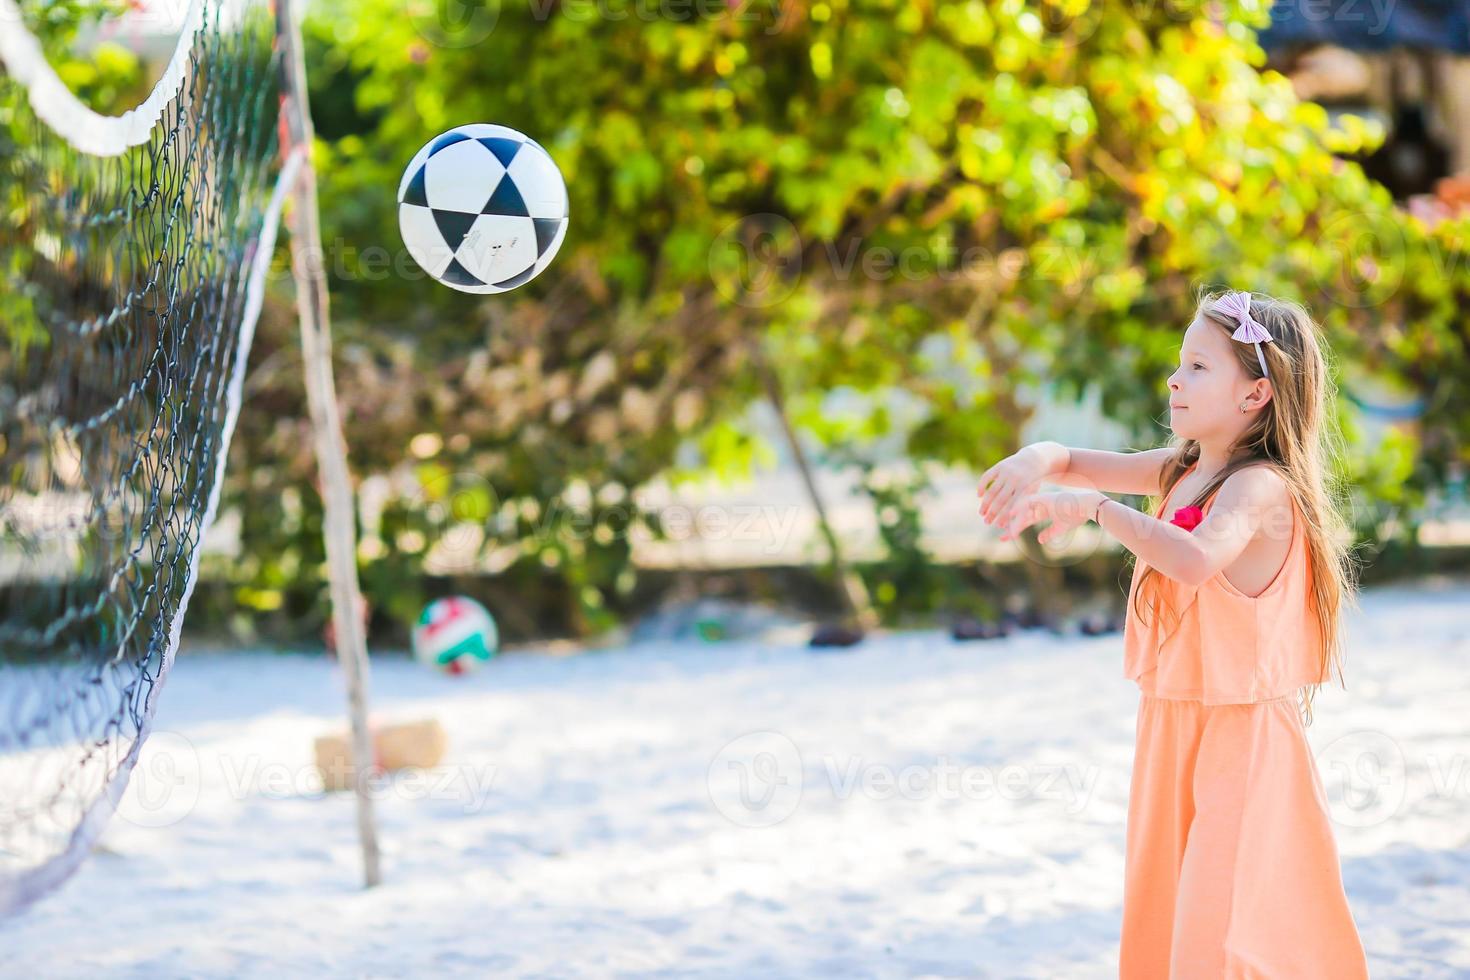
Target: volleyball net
x,y
134,255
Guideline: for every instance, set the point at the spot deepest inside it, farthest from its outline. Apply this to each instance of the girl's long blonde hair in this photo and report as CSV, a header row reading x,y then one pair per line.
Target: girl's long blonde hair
x,y
1297,436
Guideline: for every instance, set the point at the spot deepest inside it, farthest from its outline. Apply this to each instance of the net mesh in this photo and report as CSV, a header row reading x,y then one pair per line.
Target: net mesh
x,y
132,285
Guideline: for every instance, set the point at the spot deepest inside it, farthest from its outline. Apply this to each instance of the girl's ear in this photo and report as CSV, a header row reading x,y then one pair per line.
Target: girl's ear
x,y
1256,396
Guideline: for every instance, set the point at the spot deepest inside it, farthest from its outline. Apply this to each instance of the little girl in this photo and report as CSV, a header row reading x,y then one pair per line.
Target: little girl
x,y
1231,869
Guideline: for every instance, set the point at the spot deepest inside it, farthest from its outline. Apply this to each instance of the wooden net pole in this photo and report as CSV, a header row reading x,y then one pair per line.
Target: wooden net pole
x,y
340,524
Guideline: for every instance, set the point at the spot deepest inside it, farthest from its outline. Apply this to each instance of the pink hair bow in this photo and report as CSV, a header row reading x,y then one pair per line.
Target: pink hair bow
x,y
1250,331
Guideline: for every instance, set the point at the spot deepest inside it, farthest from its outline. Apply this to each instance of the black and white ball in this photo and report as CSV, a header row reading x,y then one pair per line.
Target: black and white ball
x,y
482,208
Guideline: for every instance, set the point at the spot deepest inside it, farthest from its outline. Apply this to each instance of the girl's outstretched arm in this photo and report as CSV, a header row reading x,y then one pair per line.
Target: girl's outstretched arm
x,y
1100,469
1008,481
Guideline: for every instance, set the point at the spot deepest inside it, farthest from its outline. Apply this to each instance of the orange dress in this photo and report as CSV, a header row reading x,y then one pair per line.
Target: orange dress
x,y
1231,869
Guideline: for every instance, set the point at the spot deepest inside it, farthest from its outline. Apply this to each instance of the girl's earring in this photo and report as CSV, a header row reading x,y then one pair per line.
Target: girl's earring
x,y
1242,408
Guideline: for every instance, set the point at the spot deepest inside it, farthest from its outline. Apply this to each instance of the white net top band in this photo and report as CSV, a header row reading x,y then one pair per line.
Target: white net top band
x,y
89,131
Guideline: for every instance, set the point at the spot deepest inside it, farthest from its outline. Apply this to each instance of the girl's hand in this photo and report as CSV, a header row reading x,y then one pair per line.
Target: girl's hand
x,y
1012,478
1066,509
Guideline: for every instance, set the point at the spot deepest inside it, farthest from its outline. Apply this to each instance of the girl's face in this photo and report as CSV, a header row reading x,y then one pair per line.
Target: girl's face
x,y
1206,392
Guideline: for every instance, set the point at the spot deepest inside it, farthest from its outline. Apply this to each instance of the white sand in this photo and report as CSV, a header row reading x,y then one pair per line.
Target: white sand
x,y
917,808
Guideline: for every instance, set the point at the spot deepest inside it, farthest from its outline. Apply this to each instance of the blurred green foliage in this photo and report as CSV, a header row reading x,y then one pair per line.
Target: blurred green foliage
x,y
939,207
105,80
